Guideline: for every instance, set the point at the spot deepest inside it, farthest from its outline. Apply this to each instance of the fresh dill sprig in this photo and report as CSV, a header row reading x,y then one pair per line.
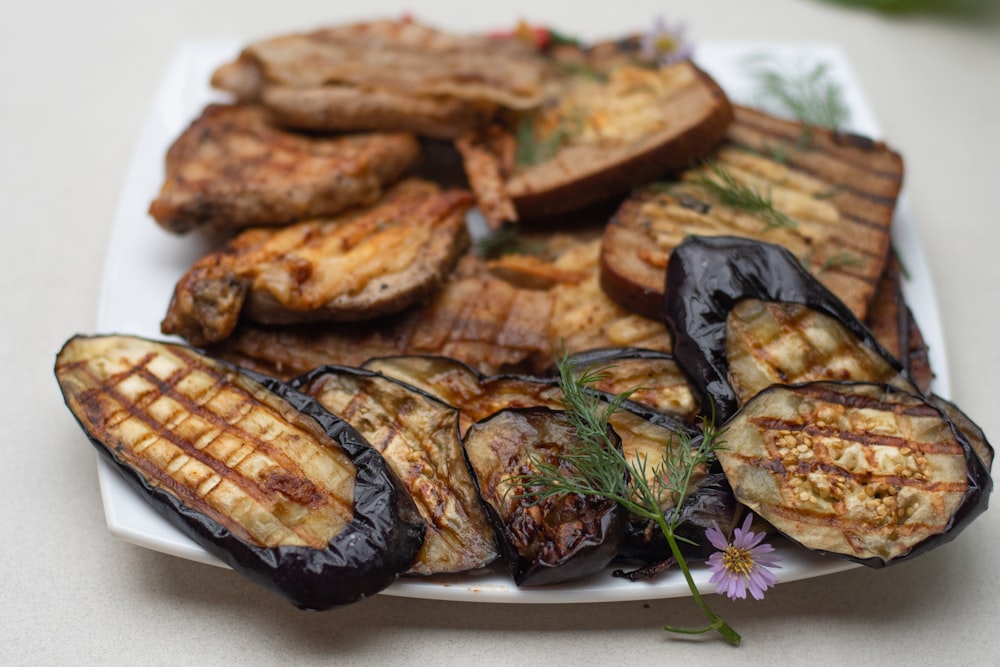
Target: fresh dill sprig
x,y
840,259
596,467
731,191
807,93
533,149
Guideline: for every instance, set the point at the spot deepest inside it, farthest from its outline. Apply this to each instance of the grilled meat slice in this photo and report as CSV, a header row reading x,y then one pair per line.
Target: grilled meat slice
x,y
606,125
419,437
386,75
482,321
258,474
893,324
232,168
831,196
360,265
584,317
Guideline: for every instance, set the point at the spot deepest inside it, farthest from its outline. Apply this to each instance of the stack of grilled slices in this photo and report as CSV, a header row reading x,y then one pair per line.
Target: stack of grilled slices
x,y
347,282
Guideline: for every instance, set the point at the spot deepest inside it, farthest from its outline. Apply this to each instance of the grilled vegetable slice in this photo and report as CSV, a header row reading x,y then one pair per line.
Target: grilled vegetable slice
x,y
655,377
418,435
258,474
555,540
720,308
862,471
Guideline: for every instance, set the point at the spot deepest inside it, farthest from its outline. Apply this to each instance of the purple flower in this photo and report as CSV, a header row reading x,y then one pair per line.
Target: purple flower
x,y
664,44
743,563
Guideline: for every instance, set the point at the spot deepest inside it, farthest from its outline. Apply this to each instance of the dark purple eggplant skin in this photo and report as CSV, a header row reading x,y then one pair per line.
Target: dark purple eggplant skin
x,y
370,553
707,276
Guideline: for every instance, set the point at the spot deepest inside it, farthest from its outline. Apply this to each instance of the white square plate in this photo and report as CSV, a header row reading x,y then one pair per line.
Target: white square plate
x,y
143,263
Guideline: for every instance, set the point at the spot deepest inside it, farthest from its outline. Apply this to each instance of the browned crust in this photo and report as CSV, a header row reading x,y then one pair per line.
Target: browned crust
x,y
232,168
365,264
892,323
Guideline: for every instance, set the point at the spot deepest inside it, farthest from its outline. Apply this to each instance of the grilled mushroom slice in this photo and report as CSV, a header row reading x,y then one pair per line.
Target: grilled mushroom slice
x,y
862,471
551,541
418,435
258,474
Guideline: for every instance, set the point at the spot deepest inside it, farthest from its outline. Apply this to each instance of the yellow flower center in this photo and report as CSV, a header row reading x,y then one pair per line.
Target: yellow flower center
x,y
665,44
737,561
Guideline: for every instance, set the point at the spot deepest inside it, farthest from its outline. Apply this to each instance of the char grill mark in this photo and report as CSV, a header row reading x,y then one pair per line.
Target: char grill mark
x,y
110,418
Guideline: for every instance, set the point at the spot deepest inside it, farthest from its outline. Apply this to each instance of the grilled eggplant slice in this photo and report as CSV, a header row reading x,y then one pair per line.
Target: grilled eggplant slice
x,y
862,471
727,308
555,540
258,474
418,435
654,376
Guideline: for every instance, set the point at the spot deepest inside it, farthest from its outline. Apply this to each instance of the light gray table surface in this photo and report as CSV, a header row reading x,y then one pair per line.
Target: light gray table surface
x,y
79,80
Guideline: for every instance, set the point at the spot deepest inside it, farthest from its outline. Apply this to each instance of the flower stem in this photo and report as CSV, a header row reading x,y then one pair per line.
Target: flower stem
x,y
715,622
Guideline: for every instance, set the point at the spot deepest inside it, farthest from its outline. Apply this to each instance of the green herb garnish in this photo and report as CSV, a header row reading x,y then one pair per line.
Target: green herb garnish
x,y
839,259
808,94
533,149
598,468
731,191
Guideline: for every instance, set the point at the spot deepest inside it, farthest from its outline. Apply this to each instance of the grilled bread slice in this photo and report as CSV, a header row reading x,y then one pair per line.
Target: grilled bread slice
x,y
362,264
232,168
386,75
827,197
608,123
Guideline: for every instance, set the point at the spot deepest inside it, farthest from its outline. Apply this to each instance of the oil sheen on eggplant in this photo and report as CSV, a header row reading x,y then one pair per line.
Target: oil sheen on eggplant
x,y
419,436
258,474
862,471
546,542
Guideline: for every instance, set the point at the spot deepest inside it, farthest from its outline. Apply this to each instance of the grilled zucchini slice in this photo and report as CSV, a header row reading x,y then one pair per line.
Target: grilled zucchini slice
x,y
258,474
